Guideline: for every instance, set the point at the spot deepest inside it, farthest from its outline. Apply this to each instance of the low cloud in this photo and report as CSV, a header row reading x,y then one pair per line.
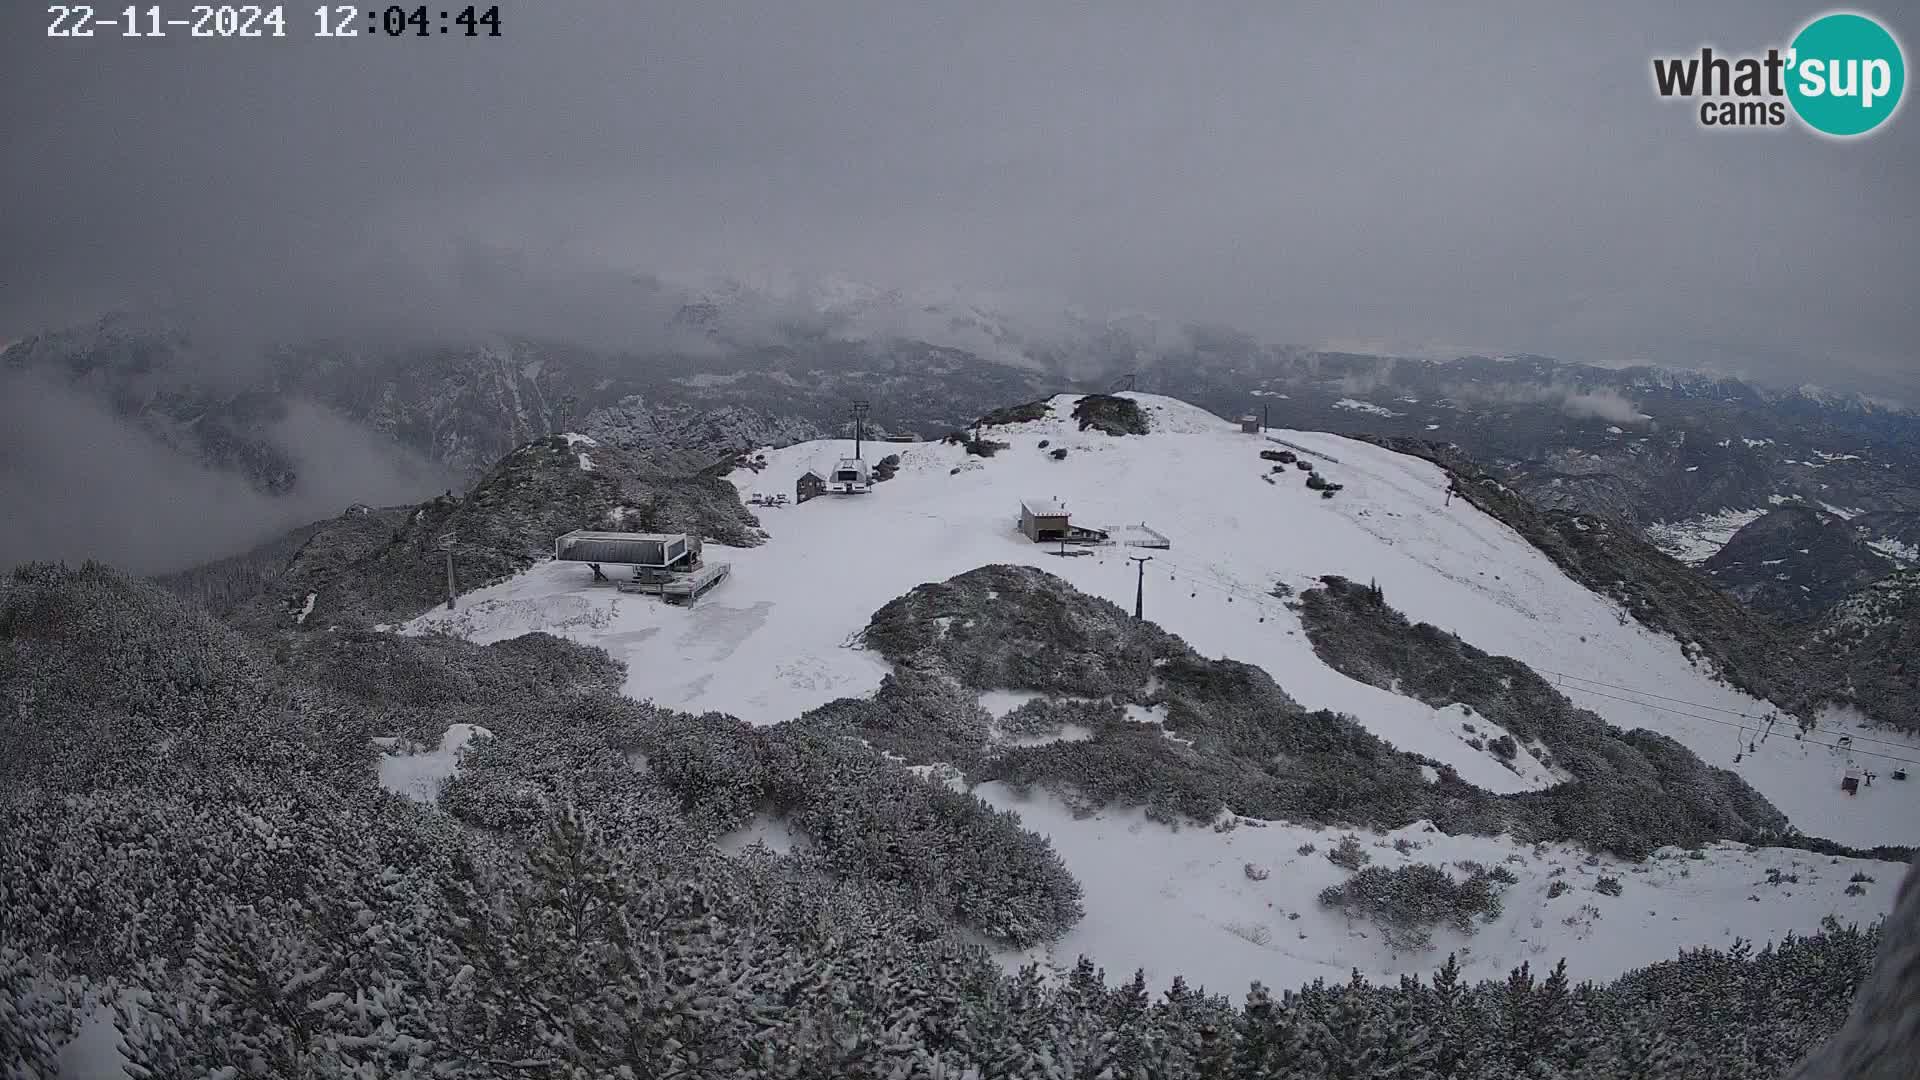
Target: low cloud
x,y
1575,401
80,483
1603,405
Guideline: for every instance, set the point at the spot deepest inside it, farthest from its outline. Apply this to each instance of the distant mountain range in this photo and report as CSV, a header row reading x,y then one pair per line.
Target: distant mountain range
x,y
1686,457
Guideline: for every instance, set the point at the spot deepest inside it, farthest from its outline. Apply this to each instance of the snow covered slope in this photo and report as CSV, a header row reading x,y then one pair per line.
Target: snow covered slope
x,y
782,636
779,637
1186,903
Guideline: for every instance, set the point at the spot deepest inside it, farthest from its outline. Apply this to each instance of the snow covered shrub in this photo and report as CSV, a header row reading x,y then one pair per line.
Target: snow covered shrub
x,y
1349,853
1059,453
922,717
1049,716
36,1015
1504,748
1636,792
1503,875
1607,886
886,467
871,819
1558,888
985,447
1113,415
1409,901
1304,849
1017,414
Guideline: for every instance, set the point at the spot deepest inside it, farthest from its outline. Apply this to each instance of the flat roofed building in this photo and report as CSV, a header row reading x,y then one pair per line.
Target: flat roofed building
x,y
659,551
1043,519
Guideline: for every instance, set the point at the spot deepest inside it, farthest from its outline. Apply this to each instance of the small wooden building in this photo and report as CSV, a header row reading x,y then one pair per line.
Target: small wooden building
x,y
1250,425
809,485
1043,520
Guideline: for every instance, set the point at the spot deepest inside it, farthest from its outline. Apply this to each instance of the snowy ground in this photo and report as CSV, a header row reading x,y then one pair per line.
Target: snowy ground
x,y
1696,540
1183,902
781,636
417,773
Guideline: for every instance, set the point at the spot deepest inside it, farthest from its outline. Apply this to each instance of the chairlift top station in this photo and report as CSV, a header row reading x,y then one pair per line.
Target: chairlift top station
x,y
666,564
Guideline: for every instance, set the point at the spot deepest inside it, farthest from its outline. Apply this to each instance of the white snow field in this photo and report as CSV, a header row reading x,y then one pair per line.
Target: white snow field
x,y
1695,540
1183,902
781,636
417,773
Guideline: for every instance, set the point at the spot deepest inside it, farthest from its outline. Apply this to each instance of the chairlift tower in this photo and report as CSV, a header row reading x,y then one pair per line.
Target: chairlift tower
x,y
860,409
1139,582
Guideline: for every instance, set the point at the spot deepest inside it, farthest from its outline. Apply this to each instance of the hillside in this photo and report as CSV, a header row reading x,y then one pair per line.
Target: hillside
x,y
960,756
777,642
380,566
712,366
1795,562
1873,639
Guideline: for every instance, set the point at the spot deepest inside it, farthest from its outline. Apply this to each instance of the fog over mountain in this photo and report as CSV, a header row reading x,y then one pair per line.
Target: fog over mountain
x,y
1309,177
80,482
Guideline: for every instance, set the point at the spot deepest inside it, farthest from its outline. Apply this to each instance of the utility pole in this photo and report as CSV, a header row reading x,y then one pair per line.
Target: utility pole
x,y
1266,411
860,408
1139,582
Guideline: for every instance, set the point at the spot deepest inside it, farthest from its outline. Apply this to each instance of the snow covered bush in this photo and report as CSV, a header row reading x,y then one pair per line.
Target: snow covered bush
x,y
1017,414
1633,792
870,818
1409,901
37,1014
1349,854
1113,415
267,910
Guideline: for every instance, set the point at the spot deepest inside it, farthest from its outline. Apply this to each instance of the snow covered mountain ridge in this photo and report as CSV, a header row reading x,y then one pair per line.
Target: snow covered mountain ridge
x,y
780,640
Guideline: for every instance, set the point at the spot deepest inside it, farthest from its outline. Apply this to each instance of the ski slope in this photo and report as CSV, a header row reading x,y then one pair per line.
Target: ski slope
x,y
781,637
1183,903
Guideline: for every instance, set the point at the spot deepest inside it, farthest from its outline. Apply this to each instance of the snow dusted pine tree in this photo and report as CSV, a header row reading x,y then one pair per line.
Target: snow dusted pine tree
x,y
36,1019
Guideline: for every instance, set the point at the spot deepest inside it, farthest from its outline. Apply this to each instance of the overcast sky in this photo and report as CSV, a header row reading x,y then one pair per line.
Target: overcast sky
x,y
1486,176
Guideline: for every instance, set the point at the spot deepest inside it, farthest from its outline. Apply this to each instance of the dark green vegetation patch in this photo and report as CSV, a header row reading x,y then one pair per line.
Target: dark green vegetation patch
x,y
1113,415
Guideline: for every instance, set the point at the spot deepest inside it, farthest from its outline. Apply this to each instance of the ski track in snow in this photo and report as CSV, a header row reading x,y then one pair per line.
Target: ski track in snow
x,y
781,636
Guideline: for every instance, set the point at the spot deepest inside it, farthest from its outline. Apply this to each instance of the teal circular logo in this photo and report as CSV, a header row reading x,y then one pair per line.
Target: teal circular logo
x,y
1846,74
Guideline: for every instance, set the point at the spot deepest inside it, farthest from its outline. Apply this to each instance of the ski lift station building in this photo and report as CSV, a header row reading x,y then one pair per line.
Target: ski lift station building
x,y
1044,519
652,551
666,564
851,475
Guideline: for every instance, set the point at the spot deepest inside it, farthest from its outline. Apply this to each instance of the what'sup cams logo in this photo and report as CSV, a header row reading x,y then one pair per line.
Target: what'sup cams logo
x,y
1842,76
